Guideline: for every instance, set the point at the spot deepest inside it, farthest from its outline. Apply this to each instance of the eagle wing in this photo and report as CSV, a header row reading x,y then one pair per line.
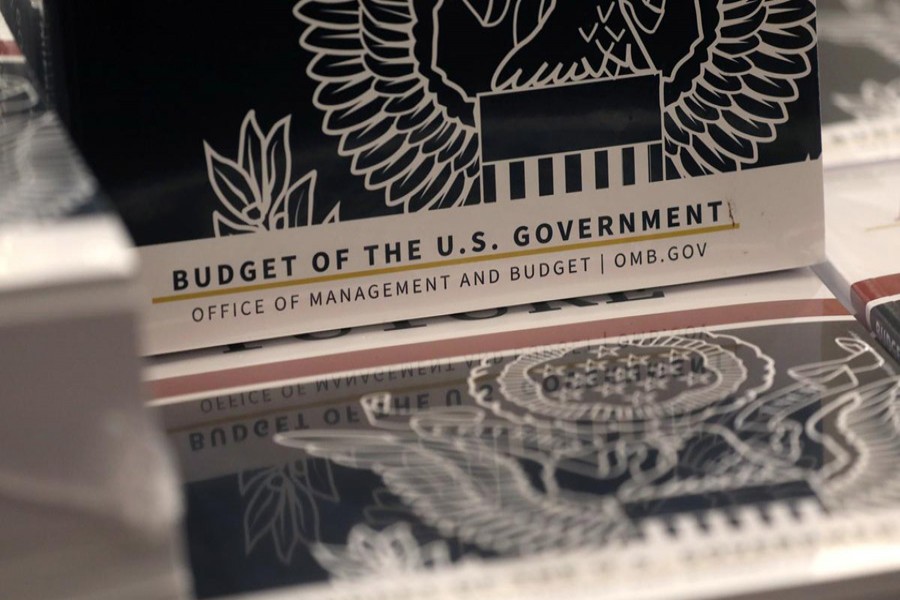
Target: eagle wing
x,y
378,101
466,490
562,42
729,97
860,430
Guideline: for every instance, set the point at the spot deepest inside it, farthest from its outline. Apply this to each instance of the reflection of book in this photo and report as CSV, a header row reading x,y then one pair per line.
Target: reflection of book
x,y
728,438
863,242
859,58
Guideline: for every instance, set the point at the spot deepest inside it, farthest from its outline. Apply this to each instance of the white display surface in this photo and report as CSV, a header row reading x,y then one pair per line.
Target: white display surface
x,y
673,452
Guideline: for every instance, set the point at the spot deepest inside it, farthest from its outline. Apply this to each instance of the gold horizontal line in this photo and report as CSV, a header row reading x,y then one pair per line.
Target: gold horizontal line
x,y
441,263
885,226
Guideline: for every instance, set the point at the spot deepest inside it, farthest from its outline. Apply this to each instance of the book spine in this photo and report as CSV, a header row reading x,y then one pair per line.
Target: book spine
x,y
876,302
884,320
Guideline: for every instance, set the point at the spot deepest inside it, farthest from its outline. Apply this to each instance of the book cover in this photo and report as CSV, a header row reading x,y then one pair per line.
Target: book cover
x,y
686,453
862,226
291,166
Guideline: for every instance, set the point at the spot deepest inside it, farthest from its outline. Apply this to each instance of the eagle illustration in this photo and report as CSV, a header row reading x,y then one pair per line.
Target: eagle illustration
x,y
522,470
398,83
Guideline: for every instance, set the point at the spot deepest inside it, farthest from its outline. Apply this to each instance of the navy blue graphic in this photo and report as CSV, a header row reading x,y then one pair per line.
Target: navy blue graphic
x,y
712,82
516,180
383,96
628,166
545,176
601,169
579,118
573,173
885,323
570,118
554,448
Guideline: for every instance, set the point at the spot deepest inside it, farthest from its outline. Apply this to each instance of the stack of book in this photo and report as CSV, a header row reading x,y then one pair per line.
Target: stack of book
x,y
441,205
89,506
292,167
861,81
680,443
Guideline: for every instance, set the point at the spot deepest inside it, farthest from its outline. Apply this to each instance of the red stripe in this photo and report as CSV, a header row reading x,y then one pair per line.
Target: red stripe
x,y
9,48
258,375
868,290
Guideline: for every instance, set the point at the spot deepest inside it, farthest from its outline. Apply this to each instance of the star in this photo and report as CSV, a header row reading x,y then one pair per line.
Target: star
x,y
620,374
551,369
678,355
568,394
609,389
576,377
604,351
697,378
636,359
660,370
590,365
639,397
652,383
644,359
